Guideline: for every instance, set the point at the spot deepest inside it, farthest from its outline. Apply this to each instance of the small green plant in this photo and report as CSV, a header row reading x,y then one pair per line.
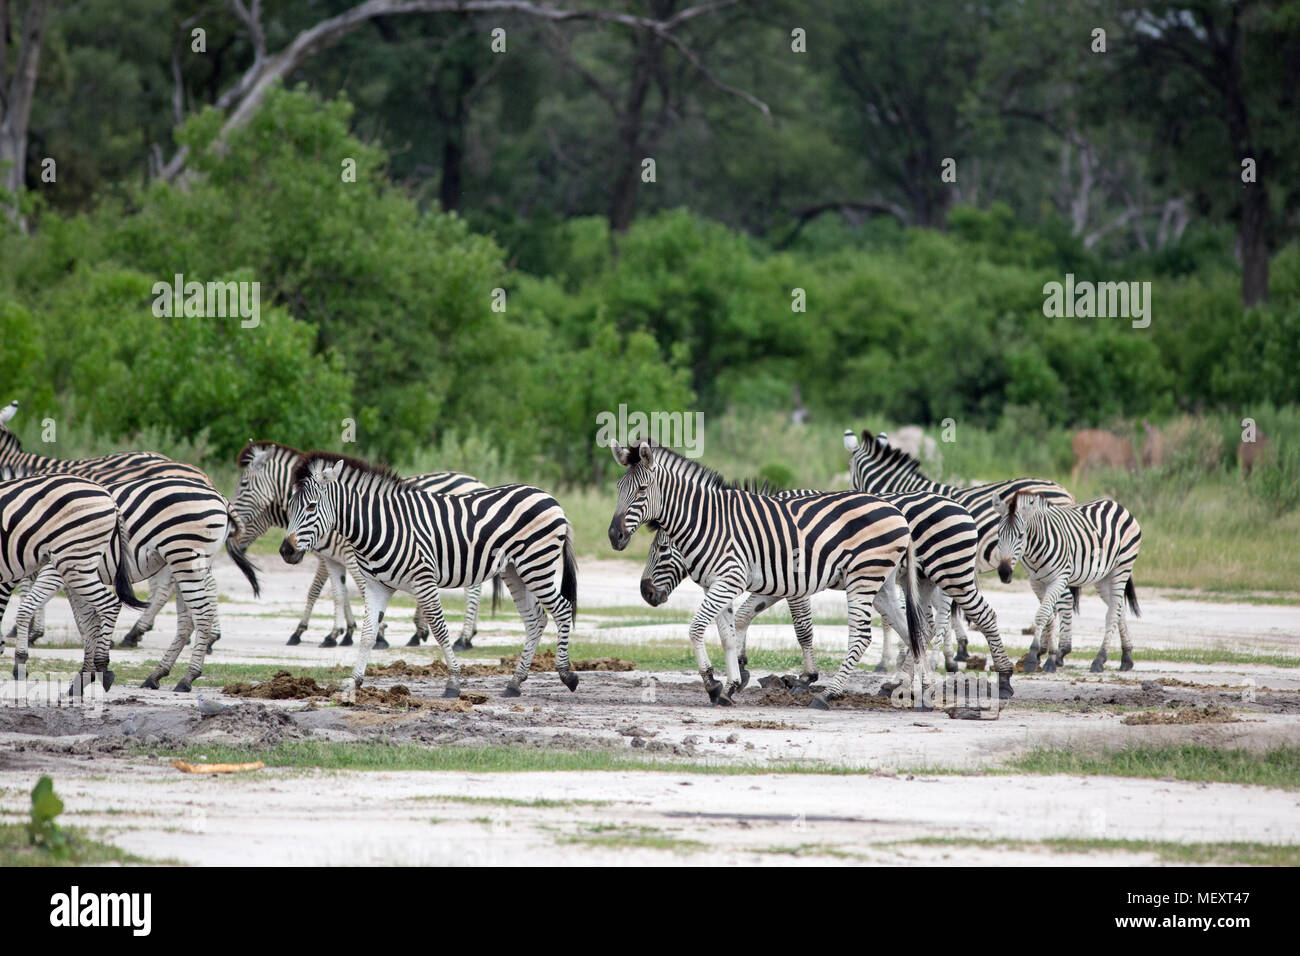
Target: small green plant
x,y
42,831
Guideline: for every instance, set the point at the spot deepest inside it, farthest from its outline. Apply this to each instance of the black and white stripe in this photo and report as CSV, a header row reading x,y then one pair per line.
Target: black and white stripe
x,y
1065,548
262,501
403,538
68,528
738,540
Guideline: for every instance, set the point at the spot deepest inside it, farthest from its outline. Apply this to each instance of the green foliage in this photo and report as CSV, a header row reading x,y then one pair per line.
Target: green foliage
x,y
42,831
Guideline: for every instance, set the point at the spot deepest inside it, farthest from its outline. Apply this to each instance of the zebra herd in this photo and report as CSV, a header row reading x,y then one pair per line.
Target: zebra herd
x,y
897,543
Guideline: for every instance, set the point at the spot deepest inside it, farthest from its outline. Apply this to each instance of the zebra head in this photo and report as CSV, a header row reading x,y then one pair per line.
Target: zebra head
x,y
313,510
638,492
1016,512
665,567
259,490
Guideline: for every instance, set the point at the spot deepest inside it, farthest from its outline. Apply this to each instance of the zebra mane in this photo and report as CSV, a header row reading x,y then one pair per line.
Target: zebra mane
x,y
703,474
893,455
246,453
381,472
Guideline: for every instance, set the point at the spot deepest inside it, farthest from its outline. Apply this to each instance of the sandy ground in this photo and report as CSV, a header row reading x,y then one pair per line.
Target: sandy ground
x,y
316,817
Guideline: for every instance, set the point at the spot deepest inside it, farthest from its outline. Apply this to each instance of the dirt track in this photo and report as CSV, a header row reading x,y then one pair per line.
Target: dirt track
x,y
311,816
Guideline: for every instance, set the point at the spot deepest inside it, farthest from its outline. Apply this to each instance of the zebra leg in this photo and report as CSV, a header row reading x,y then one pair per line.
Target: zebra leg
x,y
202,602
184,628
980,613
313,592
160,591
801,614
754,605
21,587
33,621
470,626
95,608
1126,645
954,620
38,590
730,649
339,582
860,597
327,571
719,595
422,632
432,607
941,602
544,582
1114,599
377,597
6,589
530,609
886,644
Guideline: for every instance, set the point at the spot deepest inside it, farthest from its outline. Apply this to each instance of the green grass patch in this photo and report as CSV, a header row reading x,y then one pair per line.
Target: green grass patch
x,y
503,759
1278,767
16,850
1223,854
610,837
541,803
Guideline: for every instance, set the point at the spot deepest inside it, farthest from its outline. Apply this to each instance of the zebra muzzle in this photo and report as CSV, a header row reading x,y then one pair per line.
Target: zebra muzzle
x,y
289,551
652,595
618,536
1004,571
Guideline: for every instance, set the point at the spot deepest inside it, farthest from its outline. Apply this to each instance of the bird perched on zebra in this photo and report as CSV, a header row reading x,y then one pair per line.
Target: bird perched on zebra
x,y
262,501
738,540
72,526
877,467
403,538
1066,547
109,471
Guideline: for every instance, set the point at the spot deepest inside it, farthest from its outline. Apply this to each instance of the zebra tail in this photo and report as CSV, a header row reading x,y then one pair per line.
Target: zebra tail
x,y
122,576
569,583
238,555
1131,593
915,620
1076,592
496,593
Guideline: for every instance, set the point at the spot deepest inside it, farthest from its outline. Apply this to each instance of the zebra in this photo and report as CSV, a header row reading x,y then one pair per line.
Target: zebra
x,y
666,567
403,538
107,470
262,501
739,540
72,526
878,468
1065,548
174,527
945,537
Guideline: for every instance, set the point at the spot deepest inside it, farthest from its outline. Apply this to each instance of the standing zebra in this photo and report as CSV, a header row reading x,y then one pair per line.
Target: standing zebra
x,y
739,540
107,470
403,538
1066,547
944,536
877,468
72,526
262,501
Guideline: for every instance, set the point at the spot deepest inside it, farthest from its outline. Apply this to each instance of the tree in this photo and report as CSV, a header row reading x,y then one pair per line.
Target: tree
x,y
17,87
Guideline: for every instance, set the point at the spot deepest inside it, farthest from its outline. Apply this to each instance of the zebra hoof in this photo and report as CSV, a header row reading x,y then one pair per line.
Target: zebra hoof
x,y
962,654
347,641
329,641
744,679
295,640
347,635
1004,686
512,689
106,678
1049,665
462,643
451,691
150,682
183,686
380,643
714,689
723,700
820,702
569,679
888,687
415,642
1098,664
1031,663
951,666
1126,662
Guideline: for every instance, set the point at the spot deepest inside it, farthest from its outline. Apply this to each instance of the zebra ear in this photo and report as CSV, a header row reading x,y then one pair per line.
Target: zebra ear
x,y
333,471
1000,505
621,454
648,456
9,411
850,440
882,440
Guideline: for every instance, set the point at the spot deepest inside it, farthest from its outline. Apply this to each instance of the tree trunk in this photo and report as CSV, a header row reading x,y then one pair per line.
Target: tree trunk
x,y
16,98
1253,236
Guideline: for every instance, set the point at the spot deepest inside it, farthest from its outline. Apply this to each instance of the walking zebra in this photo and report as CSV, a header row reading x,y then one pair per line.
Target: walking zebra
x,y
173,529
107,470
740,540
944,536
877,468
403,538
72,526
1065,548
666,567
262,501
